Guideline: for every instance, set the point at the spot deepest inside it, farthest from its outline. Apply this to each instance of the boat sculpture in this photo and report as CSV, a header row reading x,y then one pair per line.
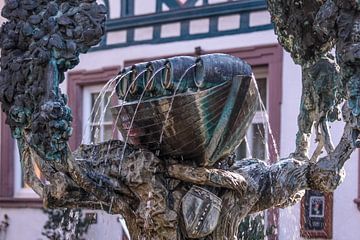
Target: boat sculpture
x,y
191,109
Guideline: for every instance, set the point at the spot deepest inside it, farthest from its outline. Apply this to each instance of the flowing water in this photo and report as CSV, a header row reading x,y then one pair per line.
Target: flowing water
x,y
101,96
268,216
264,136
133,118
148,203
267,121
248,149
112,94
97,100
107,105
123,101
172,102
103,115
111,204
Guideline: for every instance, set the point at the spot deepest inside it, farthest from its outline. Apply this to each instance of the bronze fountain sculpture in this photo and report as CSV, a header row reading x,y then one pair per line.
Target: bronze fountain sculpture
x,y
174,177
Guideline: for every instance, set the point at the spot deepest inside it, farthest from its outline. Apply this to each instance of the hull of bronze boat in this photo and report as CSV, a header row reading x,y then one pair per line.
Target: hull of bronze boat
x,y
202,127
192,116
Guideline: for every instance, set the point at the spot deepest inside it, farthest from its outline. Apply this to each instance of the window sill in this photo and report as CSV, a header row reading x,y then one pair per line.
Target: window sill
x,y
357,201
21,203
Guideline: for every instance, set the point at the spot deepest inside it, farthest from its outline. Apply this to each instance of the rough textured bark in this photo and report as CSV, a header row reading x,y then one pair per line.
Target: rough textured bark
x,y
44,39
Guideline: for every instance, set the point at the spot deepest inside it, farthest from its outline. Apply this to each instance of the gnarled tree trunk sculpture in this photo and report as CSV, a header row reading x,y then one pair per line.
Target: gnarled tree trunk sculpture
x,y
160,196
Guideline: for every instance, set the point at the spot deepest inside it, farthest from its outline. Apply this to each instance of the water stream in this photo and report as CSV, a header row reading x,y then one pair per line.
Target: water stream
x,y
248,149
133,118
267,121
111,204
172,102
97,100
97,106
123,101
107,105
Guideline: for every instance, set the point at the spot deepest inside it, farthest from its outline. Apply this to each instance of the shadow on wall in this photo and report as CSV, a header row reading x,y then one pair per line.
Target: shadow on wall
x,y
4,224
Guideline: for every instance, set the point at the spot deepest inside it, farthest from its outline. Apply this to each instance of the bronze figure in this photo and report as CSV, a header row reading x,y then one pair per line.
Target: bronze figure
x,y
175,177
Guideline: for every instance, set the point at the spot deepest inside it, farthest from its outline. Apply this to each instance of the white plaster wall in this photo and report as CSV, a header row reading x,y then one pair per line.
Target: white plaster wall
x,y
116,37
142,7
289,218
115,8
259,18
143,33
2,3
216,1
27,224
229,22
107,227
346,216
170,30
24,223
99,59
346,219
198,26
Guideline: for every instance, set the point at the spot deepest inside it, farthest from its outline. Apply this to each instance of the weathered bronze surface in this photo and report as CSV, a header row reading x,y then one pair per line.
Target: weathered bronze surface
x,y
42,40
202,118
149,183
201,209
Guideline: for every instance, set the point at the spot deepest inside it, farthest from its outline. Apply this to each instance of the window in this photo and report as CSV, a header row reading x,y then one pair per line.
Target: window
x,y
82,89
21,189
97,118
13,191
255,143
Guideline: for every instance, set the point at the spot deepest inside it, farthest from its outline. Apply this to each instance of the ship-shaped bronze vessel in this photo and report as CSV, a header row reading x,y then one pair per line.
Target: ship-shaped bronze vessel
x,y
191,109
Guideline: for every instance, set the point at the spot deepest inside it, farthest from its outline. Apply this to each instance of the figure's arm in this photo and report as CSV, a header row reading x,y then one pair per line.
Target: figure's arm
x,y
282,183
210,177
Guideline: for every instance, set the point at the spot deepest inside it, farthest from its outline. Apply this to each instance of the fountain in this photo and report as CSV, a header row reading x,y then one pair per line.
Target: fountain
x,y
174,176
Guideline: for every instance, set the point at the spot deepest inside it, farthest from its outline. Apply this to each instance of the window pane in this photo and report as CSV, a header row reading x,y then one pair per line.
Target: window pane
x,y
107,101
95,134
241,150
108,132
262,89
95,108
258,140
